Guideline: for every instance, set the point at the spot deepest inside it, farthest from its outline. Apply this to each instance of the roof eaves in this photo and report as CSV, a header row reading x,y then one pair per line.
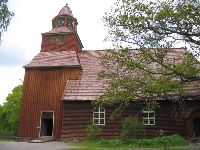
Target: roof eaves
x,y
56,33
51,66
77,100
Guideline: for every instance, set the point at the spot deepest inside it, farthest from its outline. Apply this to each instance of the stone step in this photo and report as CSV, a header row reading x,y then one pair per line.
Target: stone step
x,y
42,139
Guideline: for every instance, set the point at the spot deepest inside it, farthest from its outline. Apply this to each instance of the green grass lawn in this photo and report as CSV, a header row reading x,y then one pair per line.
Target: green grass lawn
x,y
7,139
175,142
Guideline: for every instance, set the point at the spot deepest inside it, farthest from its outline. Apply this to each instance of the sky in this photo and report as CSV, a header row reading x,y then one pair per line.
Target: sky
x,y
22,41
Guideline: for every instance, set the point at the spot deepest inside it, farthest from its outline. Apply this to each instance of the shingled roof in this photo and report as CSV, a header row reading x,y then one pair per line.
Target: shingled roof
x,y
54,59
88,87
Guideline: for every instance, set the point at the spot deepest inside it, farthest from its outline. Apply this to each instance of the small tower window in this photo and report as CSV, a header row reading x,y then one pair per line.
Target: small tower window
x,y
58,39
61,22
61,39
70,23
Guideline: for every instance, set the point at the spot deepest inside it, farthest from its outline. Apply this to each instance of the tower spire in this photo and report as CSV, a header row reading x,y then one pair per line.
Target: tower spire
x,y
63,36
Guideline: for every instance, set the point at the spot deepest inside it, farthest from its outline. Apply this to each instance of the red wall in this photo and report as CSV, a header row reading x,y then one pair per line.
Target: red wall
x,y
71,43
78,114
43,91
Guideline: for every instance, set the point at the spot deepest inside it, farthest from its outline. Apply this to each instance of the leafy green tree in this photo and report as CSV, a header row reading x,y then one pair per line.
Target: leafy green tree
x,y
9,111
3,123
5,15
154,70
155,24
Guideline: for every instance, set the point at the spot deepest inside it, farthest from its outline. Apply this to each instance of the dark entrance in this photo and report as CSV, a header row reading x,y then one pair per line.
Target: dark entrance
x,y
46,124
196,123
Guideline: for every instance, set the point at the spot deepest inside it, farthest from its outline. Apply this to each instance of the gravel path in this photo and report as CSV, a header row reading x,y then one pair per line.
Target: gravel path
x,y
63,146
33,146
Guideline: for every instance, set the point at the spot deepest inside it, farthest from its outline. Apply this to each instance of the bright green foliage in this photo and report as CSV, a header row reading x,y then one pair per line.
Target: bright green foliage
x,y
174,140
154,71
157,142
9,112
132,129
5,15
155,23
146,75
93,132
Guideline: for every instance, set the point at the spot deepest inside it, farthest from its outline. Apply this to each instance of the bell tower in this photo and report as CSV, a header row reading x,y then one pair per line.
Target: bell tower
x,y
63,36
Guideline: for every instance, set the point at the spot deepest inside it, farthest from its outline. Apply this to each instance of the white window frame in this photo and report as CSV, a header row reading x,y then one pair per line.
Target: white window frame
x,y
99,118
148,118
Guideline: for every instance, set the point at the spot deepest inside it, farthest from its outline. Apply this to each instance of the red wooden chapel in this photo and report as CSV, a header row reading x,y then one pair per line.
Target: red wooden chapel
x,y
60,82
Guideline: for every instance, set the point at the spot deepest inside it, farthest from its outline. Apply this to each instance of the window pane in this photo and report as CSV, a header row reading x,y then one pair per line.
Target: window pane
x,y
151,121
70,23
145,121
96,115
101,109
145,115
151,114
101,121
61,22
96,109
101,115
96,121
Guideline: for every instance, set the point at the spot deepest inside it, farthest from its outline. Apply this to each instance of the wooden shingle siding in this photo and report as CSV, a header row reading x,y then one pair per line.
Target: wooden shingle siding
x,y
43,91
76,117
78,114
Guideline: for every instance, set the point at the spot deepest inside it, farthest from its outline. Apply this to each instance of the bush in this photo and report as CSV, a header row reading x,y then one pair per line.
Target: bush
x,y
132,129
92,132
111,143
164,142
173,140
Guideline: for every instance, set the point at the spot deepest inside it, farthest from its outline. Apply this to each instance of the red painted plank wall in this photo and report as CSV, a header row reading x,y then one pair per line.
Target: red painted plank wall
x,y
43,90
70,44
78,114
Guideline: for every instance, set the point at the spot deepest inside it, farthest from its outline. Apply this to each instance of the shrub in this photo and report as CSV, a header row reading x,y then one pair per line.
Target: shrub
x,y
111,143
92,132
132,128
173,140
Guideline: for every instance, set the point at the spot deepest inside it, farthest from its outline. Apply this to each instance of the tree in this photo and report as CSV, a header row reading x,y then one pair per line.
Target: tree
x,y
5,16
154,70
9,111
155,24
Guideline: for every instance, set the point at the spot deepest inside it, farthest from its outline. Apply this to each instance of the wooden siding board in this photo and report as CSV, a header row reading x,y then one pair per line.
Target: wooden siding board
x,y
78,114
43,91
71,43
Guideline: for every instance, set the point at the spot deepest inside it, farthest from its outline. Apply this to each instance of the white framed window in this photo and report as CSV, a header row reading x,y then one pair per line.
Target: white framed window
x,y
148,117
99,116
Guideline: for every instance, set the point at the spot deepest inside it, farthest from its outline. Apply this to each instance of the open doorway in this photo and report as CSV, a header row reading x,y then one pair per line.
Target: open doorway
x,y
47,122
196,124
